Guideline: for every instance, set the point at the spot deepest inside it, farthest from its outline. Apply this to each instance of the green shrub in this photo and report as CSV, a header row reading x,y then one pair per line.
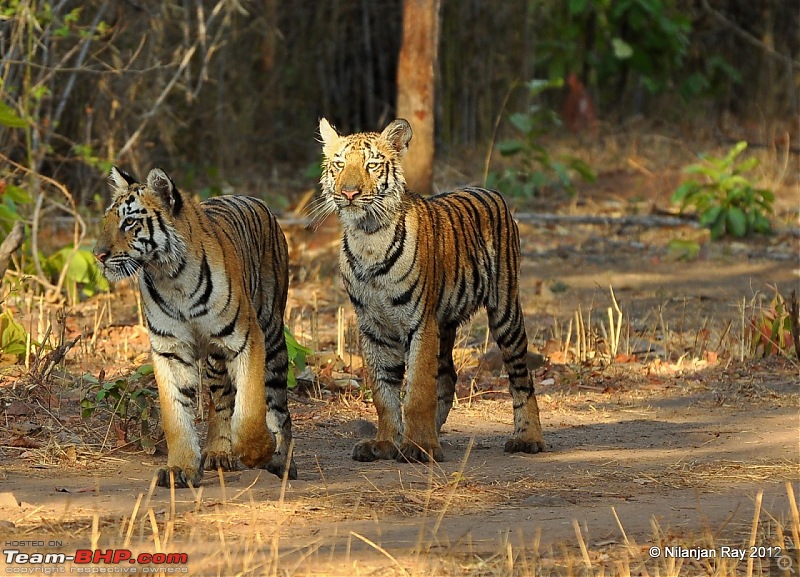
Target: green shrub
x,y
534,168
725,199
131,400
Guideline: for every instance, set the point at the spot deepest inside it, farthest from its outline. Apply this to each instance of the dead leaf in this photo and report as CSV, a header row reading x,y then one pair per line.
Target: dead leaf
x,y
18,409
24,442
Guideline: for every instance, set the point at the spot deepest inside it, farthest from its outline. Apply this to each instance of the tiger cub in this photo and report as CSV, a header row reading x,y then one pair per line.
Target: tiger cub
x,y
213,278
415,269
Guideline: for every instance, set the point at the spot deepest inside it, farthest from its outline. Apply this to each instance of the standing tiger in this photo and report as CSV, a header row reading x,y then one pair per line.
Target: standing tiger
x,y
415,269
214,279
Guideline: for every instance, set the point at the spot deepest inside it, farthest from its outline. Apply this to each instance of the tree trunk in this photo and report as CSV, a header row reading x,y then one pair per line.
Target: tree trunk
x,y
415,88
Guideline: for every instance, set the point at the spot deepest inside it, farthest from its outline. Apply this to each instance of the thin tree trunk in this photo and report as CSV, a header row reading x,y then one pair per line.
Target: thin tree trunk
x,y
415,88
10,245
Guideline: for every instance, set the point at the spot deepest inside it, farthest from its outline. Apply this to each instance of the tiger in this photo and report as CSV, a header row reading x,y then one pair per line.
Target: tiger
x,y
416,268
213,278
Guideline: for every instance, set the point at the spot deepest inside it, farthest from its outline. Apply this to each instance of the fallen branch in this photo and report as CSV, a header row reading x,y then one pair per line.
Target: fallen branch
x,y
11,245
628,220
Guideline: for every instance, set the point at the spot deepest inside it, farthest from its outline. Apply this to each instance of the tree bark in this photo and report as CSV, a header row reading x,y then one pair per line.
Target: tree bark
x,y
415,88
10,245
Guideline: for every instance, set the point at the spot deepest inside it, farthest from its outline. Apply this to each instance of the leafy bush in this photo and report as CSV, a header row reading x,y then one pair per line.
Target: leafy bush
x,y
131,400
725,199
536,168
773,329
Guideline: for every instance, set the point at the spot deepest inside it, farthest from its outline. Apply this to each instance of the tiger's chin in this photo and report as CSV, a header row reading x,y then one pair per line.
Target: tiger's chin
x,y
361,219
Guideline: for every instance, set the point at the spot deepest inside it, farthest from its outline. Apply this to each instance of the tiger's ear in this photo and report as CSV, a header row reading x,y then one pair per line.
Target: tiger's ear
x,y
120,180
398,135
164,188
330,138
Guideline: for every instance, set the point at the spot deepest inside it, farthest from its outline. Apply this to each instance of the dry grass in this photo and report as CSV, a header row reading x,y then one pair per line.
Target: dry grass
x,y
209,535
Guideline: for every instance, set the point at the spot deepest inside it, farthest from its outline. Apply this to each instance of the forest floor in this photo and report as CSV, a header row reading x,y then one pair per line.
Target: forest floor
x,y
677,433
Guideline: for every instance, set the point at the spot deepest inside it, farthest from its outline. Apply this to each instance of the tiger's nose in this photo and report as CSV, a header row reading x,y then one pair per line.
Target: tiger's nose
x,y
100,254
350,192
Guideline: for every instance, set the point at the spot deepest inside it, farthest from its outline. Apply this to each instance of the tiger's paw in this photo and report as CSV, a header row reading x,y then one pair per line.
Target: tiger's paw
x,y
372,450
413,453
255,452
213,460
277,466
517,445
183,478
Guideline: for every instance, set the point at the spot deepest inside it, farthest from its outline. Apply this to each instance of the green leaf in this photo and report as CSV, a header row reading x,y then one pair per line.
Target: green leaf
x,y
761,224
685,190
582,168
747,165
17,195
710,216
737,222
13,338
539,85
8,117
577,7
622,50
510,147
144,370
522,122
718,228
737,149
562,173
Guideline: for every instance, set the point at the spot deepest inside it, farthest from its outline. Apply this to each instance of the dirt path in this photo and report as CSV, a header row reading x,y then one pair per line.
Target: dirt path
x,y
685,456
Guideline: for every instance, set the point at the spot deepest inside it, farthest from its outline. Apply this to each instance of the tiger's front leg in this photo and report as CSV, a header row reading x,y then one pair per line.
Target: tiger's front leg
x,y
176,376
420,434
251,441
386,364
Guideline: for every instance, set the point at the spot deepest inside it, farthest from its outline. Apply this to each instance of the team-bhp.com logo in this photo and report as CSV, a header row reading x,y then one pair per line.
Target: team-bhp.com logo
x,y
84,561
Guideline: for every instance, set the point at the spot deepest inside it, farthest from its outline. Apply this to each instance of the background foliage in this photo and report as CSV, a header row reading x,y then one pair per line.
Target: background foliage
x,y
221,90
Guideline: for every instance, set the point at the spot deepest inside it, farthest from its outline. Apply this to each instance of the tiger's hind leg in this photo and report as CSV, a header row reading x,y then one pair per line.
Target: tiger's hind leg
x,y
508,329
446,376
218,453
279,420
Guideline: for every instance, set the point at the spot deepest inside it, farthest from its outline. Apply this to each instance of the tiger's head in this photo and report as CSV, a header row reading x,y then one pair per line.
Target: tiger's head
x,y
139,227
362,177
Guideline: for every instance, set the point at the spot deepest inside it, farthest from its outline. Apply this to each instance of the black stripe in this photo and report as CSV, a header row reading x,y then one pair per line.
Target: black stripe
x,y
395,250
228,329
159,301
173,357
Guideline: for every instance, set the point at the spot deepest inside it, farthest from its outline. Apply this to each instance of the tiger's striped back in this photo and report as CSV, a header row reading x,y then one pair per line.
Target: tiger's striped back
x,y
415,269
214,282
